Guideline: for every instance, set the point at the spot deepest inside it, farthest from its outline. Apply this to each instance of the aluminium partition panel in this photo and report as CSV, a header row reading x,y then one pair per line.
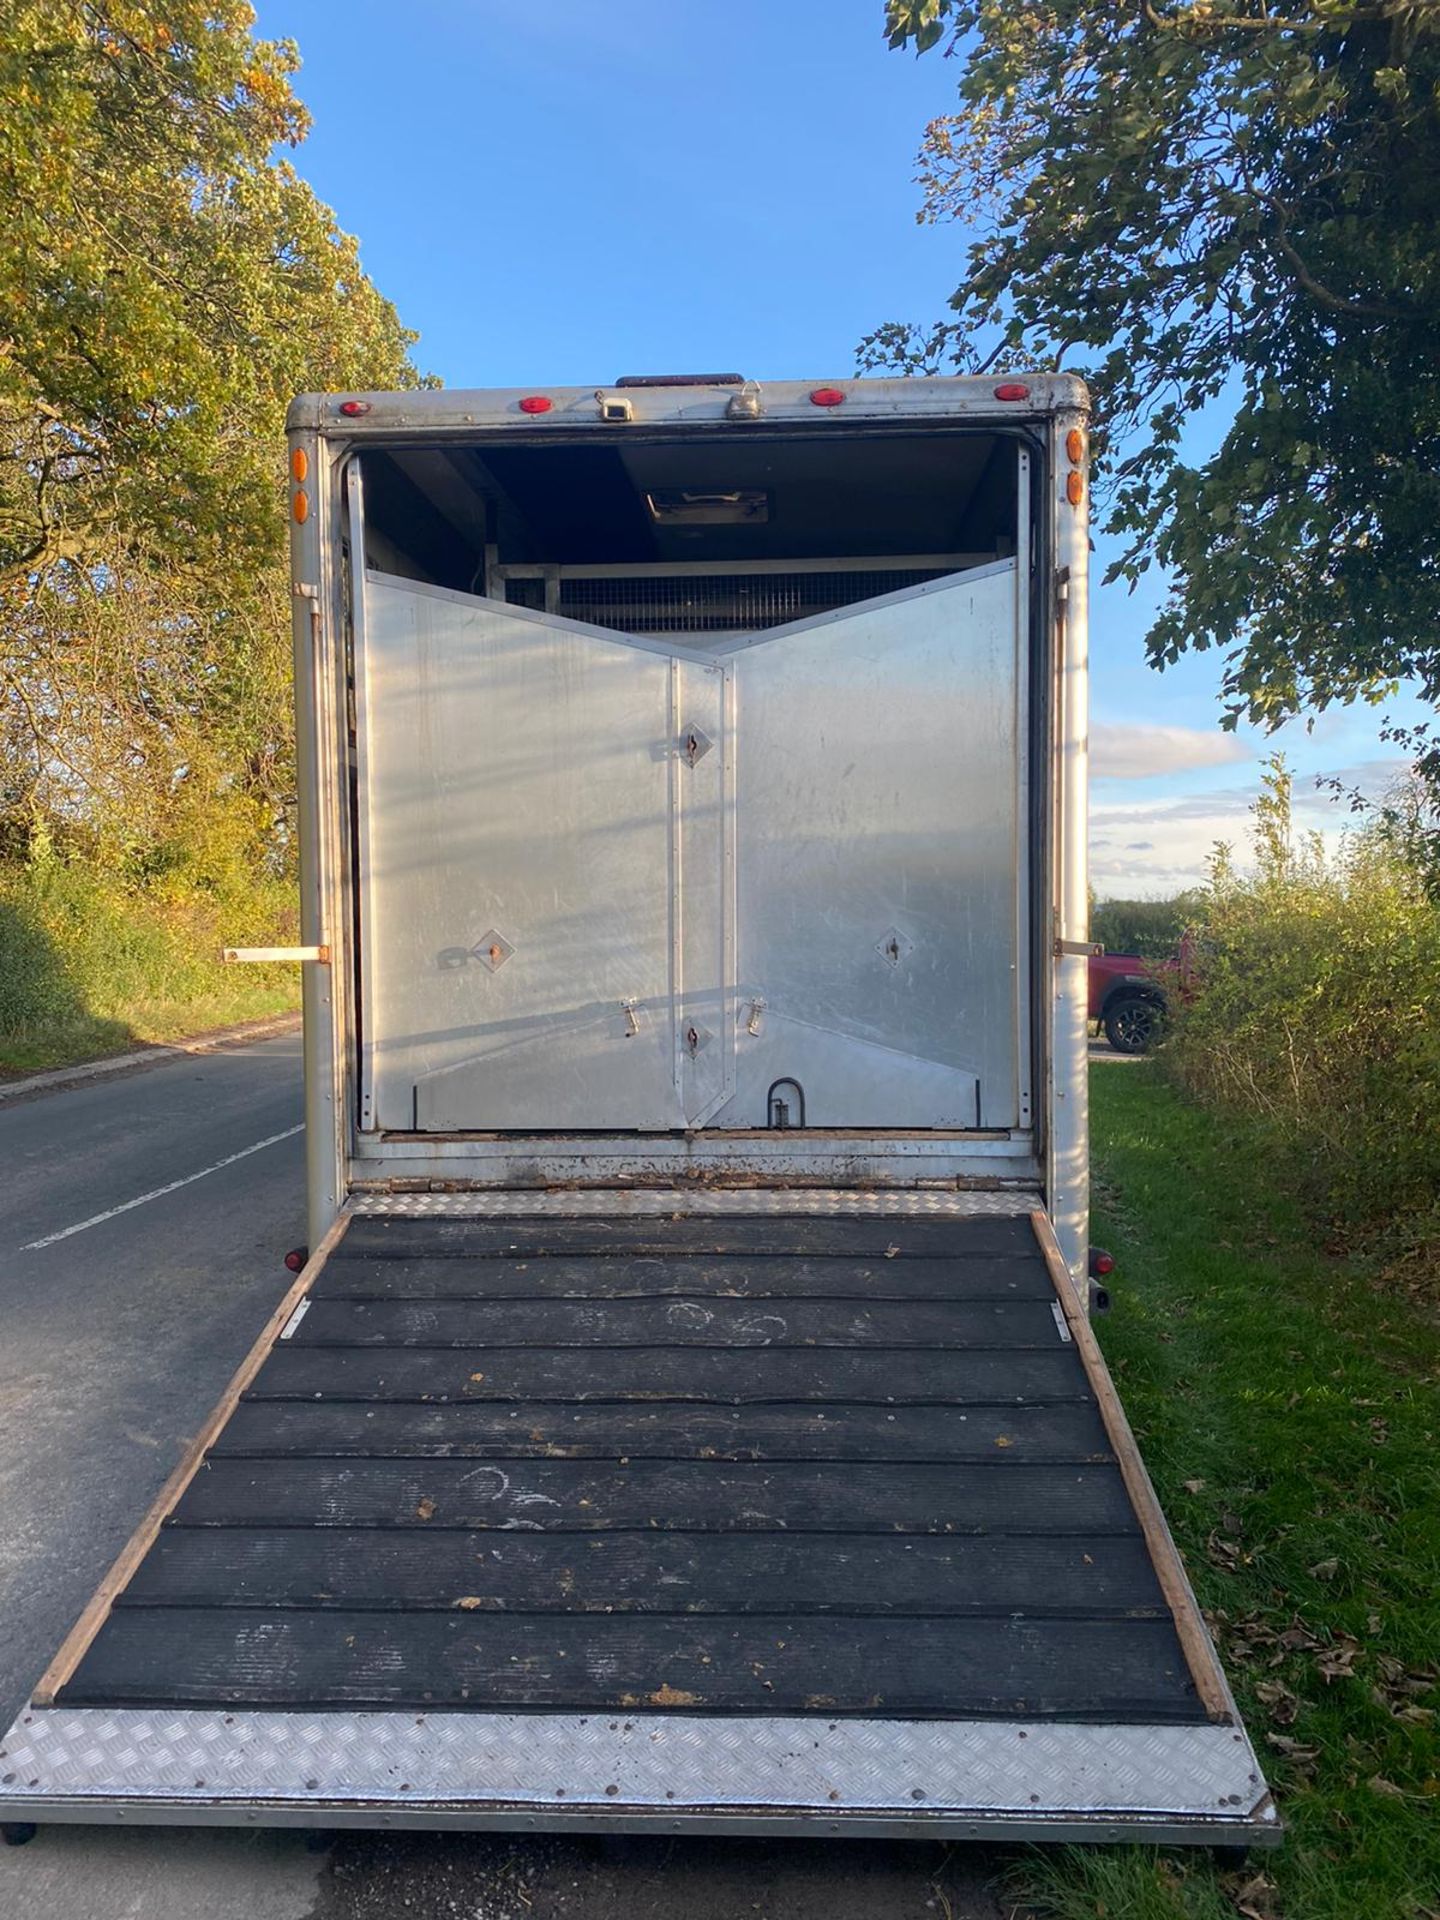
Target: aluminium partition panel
x,y
878,845
522,781
619,883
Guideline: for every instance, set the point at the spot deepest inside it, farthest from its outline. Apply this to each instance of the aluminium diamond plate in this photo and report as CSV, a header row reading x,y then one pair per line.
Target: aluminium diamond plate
x,y
635,1762
625,1203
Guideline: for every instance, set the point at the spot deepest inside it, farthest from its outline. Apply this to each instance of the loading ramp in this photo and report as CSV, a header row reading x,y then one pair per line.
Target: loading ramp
x,y
816,1514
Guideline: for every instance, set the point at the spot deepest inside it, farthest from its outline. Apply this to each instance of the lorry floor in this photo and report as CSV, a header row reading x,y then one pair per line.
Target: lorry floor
x,y
763,1466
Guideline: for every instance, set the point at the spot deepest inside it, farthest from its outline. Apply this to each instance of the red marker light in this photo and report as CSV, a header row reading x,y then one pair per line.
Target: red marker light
x,y
1012,390
1101,1262
536,403
296,1258
827,397
353,409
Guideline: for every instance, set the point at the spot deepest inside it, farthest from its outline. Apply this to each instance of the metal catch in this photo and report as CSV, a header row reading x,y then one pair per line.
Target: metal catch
x,y
492,950
695,745
894,946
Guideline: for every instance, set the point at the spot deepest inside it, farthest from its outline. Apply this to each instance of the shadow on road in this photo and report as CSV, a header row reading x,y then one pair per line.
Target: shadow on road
x,y
552,1877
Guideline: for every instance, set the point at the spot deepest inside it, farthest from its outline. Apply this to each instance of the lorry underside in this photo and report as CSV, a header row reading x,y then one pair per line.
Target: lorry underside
x,y
690,1417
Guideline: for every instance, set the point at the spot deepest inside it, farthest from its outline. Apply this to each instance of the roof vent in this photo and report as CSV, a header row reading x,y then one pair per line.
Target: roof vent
x,y
681,380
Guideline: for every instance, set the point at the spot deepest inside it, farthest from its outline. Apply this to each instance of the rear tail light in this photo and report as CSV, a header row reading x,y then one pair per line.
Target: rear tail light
x,y
354,409
827,397
296,1258
1012,390
1101,1263
536,403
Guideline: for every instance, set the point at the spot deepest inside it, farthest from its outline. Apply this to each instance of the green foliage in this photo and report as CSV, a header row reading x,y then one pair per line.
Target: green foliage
x,y
167,284
90,964
1319,979
1152,928
1283,1405
1227,203
148,726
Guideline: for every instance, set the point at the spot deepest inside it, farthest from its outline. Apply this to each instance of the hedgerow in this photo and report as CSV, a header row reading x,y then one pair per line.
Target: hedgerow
x,y
1314,1008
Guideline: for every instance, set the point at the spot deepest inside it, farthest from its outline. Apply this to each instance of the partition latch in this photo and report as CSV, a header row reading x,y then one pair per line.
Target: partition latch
x,y
695,744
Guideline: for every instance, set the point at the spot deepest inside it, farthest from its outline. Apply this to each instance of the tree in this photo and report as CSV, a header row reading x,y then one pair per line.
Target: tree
x,y
166,285
1225,204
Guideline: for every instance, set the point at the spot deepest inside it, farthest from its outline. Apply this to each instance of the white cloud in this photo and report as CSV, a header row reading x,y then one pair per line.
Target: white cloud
x,y
1180,833
1136,752
1178,838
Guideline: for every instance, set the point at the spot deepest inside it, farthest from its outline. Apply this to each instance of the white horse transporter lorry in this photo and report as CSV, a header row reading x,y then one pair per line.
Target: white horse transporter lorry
x,y
688,1418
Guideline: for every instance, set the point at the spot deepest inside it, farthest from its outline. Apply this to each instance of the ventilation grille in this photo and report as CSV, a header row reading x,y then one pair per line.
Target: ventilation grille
x,y
712,602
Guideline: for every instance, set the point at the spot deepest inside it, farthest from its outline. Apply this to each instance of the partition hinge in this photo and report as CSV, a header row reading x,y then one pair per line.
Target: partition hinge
x,y
241,955
1087,949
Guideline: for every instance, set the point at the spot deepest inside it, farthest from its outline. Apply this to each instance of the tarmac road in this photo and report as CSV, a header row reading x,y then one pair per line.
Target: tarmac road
x,y
122,1322
143,1222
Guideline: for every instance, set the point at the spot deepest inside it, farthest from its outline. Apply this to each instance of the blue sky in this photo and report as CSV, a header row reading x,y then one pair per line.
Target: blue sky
x,y
571,191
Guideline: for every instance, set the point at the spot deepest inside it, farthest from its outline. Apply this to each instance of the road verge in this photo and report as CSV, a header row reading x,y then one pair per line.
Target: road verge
x,y
139,1059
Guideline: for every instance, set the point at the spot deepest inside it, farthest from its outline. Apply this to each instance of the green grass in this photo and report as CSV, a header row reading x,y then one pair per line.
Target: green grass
x,y
90,966
89,1036
1286,1406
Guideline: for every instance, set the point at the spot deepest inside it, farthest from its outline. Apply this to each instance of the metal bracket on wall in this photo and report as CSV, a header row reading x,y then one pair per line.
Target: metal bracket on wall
x,y
1087,949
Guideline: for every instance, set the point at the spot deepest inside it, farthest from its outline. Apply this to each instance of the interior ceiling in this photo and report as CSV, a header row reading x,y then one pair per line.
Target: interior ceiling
x,y
571,504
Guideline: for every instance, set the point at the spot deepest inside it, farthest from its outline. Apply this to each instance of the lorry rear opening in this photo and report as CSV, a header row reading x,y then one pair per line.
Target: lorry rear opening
x,y
690,1418
657,807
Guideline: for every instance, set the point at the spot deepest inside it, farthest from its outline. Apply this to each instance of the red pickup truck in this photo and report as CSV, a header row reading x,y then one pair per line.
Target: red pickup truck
x,y
1127,997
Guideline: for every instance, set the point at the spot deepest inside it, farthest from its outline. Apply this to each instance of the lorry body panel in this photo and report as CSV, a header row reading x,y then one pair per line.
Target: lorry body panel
x,y
1039,863
689,1419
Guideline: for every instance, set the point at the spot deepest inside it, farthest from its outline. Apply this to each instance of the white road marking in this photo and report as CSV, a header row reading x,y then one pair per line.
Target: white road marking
x,y
158,1193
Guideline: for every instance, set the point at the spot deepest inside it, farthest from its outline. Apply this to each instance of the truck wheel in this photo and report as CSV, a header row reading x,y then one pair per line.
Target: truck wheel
x,y
1133,1022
